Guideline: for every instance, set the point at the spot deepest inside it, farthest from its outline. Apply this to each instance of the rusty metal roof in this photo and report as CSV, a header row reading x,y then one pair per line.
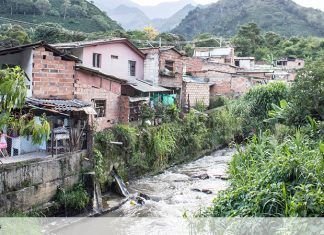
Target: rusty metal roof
x,y
59,105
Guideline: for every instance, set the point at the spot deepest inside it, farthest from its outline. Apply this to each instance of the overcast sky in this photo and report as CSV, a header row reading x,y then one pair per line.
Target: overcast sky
x,y
308,3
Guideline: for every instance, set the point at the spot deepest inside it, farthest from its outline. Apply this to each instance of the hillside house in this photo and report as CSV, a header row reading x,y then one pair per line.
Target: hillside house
x,y
50,79
114,57
290,63
164,66
215,54
244,62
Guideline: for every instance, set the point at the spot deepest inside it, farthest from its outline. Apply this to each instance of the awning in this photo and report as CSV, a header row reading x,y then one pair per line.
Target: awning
x,y
146,87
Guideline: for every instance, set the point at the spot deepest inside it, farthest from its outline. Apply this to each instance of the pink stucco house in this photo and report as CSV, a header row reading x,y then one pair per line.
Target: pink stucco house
x,y
116,57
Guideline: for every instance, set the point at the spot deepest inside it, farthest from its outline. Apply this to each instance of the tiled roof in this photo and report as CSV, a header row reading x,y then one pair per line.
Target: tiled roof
x,y
59,105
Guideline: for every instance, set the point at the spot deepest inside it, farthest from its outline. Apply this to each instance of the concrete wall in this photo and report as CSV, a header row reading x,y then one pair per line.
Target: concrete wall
x,y
116,67
89,87
52,76
198,92
34,183
151,67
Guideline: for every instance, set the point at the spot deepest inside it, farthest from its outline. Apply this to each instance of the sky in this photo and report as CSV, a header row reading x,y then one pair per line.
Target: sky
x,y
319,4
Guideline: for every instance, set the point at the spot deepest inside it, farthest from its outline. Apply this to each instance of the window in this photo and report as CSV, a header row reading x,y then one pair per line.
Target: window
x,y
96,61
132,68
114,57
100,107
169,65
237,63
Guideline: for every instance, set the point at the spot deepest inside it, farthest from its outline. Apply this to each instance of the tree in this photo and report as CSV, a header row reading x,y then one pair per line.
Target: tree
x,y
12,98
248,39
65,7
55,33
13,35
151,32
206,40
43,6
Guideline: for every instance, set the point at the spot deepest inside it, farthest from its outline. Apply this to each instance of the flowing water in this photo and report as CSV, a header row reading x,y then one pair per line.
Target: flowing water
x,y
165,198
180,189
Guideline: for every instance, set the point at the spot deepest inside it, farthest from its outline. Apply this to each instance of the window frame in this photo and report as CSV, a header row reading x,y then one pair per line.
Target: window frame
x,y
101,107
169,65
132,68
96,60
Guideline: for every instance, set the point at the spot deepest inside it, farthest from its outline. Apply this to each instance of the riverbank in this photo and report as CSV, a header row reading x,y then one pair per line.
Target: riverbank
x,y
175,192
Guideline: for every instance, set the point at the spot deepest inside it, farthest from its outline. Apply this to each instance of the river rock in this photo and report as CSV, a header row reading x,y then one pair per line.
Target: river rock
x,y
146,197
202,176
207,191
195,190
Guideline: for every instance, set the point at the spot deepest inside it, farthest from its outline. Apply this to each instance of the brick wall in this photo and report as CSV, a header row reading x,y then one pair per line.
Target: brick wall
x,y
90,86
175,81
198,92
52,76
124,109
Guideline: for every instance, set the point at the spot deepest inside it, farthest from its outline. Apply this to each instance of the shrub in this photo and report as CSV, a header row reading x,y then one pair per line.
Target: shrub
x,y
224,126
274,178
216,102
74,199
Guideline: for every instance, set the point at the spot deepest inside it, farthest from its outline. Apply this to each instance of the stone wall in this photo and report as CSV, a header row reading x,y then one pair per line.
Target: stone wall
x,y
52,76
196,92
28,184
91,86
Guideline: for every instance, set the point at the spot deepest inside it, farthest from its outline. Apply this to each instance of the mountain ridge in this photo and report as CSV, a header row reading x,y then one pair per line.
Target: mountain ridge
x,y
224,18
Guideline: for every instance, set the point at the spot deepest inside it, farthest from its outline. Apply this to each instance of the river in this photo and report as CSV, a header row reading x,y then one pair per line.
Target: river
x,y
180,190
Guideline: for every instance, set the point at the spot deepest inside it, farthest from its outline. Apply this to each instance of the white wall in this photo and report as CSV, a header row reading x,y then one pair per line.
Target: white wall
x,y
151,68
25,61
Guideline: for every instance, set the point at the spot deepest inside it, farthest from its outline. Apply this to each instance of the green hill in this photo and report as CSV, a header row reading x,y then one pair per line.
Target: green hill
x,y
77,15
224,18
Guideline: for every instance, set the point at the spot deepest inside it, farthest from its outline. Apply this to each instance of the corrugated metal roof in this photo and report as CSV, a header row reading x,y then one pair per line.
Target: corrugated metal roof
x,y
70,45
145,87
59,105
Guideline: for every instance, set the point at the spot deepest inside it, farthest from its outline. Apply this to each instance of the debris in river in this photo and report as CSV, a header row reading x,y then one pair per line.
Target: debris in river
x,y
146,197
202,176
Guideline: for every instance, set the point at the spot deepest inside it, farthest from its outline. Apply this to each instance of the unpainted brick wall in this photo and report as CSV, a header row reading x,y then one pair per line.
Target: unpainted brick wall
x,y
178,69
52,76
197,92
89,87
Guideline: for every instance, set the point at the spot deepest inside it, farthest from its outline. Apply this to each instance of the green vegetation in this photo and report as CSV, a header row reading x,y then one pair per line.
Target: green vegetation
x,y
73,200
12,100
224,17
267,46
279,172
152,148
77,15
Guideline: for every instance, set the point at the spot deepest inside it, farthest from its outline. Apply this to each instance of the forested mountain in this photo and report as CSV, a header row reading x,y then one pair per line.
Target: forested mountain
x,y
78,15
281,16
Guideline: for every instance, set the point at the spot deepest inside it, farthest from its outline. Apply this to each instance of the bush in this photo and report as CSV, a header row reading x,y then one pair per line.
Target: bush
x,y
216,102
224,126
74,199
307,95
275,178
